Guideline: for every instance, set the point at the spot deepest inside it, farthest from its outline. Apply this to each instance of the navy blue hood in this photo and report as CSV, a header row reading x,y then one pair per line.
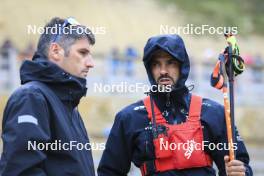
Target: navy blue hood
x,y
174,45
66,86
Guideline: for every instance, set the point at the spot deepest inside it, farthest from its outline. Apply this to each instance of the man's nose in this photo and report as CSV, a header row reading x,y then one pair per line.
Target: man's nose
x,y
163,69
89,62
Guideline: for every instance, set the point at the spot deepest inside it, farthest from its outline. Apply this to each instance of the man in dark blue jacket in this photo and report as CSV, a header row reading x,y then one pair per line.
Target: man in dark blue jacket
x,y
132,135
43,132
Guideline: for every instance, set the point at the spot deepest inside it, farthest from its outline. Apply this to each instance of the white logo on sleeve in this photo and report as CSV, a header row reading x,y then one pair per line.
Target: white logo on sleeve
x,y
139,108
27,119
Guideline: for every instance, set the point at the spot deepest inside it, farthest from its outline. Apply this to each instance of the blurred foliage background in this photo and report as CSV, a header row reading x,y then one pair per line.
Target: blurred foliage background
x,y
246,14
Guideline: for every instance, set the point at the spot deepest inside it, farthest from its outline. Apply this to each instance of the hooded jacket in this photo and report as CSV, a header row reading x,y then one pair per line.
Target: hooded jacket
x,y
43,112
131,140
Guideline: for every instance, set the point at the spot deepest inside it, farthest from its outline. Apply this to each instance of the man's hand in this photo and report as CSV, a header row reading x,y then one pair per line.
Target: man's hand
x,y
234,168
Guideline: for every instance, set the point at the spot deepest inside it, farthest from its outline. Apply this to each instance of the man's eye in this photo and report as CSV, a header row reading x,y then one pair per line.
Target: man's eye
x,y
154,64
83,53
172,62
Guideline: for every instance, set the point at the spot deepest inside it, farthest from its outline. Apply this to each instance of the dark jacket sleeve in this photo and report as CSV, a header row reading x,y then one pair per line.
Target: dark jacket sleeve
x,y
116,159
219,136
25,121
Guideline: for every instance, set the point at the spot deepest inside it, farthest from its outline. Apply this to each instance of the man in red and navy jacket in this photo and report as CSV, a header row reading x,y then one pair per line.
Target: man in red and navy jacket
x,y
148,132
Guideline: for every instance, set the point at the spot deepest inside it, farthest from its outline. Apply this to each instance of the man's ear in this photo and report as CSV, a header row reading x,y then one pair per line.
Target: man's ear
x,y
55,52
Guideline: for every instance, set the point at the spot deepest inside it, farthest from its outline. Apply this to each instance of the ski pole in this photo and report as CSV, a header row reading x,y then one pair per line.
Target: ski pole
x,y
230,64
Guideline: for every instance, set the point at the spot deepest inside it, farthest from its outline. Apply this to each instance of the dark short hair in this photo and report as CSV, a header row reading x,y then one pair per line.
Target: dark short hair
x,y
65,40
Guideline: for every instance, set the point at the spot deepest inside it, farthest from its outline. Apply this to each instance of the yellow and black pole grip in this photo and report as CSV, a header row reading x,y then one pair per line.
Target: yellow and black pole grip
x,y
237,61
217,78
